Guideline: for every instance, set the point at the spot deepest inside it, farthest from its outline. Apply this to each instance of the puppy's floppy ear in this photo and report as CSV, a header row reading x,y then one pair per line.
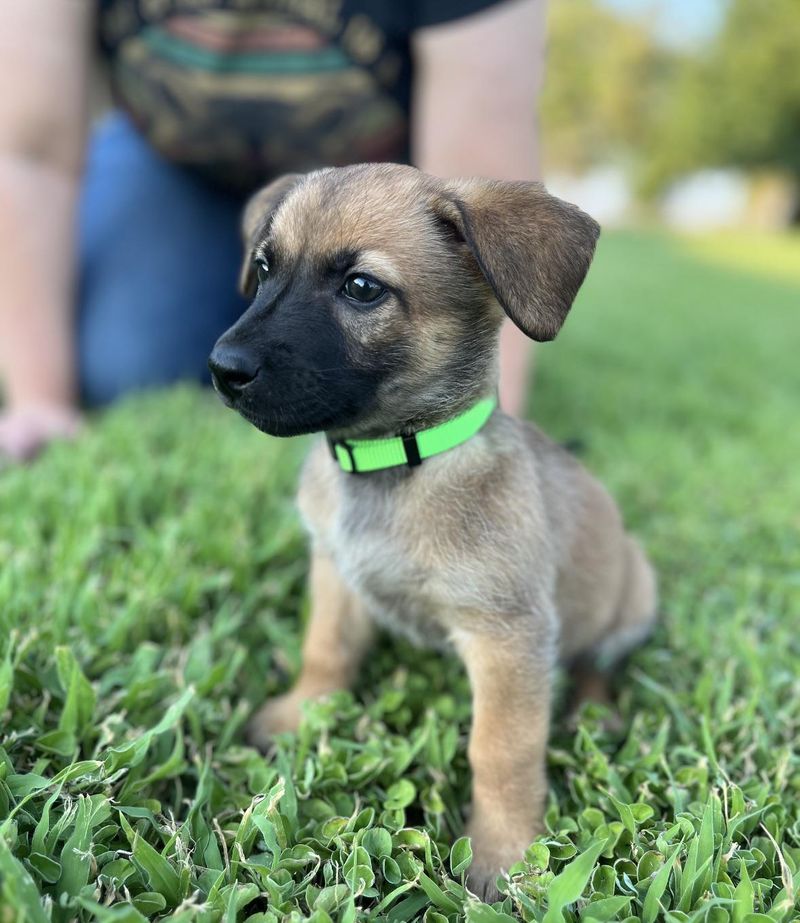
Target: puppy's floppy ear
x,y
533,249
258,212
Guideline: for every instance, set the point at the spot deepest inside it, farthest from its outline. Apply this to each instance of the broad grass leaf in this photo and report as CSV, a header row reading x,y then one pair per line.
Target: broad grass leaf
x,y
412,838
391,871
149,902
267,830
705,852
158,871
170,767
131,754
43,824
59,741
568,885
400,795
743,895
118,871
538,855
76,862
119,913
17,888
604,880
460,856
363,820
377,842
394,913
436,895
688,877
238,896
331,898
289,798
787,899
88,768
625,814
358,870
80,699
652,905
23,784
607,908
483,913
46,867
641,812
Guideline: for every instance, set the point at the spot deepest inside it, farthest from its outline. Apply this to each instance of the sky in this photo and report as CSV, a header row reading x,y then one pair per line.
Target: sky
x,y
677,22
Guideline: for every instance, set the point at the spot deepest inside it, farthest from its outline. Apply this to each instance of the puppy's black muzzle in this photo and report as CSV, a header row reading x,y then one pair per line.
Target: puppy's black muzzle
x,y
232,371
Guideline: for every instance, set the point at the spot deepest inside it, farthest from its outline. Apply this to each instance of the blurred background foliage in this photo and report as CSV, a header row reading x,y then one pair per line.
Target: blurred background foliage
x,y
662,102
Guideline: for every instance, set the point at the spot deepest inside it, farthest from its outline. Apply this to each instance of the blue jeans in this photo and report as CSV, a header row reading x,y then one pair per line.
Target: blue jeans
x,y
159,255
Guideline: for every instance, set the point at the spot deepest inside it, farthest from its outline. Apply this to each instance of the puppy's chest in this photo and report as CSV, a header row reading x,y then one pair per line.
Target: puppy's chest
x,y
390,561
401,594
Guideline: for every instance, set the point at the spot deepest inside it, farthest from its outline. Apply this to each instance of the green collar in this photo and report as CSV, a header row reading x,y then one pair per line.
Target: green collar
x,y
361,455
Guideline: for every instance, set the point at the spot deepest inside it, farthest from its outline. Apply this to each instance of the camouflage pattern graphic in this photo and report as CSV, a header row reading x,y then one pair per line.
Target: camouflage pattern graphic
x,y
244,90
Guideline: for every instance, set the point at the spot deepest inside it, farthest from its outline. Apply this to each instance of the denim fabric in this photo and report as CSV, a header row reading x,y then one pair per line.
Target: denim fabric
x,y
159,255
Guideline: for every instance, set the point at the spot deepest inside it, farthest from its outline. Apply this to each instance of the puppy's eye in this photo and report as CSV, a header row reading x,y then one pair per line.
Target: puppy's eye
x,y
362,289
262,270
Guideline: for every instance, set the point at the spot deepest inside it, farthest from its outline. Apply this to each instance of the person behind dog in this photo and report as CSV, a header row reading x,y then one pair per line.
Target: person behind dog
x,y
119,251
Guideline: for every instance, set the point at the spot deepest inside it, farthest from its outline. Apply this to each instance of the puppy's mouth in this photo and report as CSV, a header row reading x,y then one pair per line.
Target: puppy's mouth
x,y
284,420
311,410
267,407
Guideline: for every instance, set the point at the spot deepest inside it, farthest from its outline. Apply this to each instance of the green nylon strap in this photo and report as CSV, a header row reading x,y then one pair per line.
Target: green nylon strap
x,y
363,455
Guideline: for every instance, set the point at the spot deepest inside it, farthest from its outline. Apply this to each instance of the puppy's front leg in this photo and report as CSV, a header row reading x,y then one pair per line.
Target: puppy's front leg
x,y
338,635
511,681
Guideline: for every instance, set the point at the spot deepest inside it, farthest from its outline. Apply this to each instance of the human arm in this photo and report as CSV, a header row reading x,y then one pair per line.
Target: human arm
x,y
476,87
45,49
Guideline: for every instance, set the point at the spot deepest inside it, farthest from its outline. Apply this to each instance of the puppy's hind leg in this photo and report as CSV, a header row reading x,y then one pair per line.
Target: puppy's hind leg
x,y
338,635
633,623
636,611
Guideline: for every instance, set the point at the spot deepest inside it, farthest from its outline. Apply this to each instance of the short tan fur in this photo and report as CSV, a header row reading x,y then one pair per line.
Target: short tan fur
x,y
504,549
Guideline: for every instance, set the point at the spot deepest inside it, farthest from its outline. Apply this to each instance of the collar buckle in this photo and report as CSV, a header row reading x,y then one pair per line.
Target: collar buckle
x,y
333,443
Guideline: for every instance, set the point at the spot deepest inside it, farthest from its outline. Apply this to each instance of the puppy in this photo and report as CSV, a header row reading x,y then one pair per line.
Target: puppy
x,y
378,294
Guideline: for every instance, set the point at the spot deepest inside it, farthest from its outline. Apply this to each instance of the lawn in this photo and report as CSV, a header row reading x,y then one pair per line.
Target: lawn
x,y
151,594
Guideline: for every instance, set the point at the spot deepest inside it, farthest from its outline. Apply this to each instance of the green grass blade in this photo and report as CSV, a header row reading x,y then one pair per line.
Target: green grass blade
x,y
568,885
652,902
17,889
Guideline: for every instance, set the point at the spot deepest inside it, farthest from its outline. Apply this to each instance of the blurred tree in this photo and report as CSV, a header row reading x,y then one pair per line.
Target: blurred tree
x,y
606,81
738,101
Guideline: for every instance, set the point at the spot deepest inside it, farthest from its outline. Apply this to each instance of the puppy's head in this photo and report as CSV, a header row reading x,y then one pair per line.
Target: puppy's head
x,y
378,293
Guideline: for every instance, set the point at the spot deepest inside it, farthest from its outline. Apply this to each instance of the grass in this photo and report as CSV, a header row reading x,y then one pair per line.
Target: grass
x,y
151,594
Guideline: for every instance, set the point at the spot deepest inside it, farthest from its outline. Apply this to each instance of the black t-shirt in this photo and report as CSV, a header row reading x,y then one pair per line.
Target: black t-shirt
x,y
247,89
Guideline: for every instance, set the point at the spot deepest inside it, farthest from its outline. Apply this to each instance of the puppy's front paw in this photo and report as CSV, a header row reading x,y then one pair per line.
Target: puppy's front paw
x,y
488,864
490,860
276,716
482,881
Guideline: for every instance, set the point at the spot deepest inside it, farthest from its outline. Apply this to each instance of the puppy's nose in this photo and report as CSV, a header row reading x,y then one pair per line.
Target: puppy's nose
x,y
232,370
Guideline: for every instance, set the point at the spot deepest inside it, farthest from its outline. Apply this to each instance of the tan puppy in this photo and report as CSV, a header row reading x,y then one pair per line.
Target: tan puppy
x,y
378,296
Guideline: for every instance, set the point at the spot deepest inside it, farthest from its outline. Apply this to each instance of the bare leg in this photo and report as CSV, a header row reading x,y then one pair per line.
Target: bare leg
x,y
511,682
338,635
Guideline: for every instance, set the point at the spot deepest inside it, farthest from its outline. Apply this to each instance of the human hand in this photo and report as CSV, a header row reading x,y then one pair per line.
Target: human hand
x,y
27,429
